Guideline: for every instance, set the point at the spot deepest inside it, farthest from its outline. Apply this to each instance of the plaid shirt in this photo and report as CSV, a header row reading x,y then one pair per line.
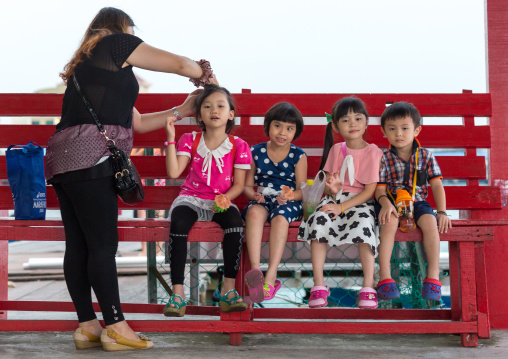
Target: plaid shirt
x,y
396,173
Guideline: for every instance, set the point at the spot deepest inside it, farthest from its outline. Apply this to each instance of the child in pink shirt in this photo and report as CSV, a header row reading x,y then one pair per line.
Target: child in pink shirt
x,y
346,214
218,166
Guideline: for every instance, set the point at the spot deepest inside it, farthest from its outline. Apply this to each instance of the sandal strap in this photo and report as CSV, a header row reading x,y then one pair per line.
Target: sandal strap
x,y
368,296
232,300
177,305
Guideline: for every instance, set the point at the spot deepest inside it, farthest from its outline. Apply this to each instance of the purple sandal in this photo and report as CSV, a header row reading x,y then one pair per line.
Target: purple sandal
x,y
254,280
319,296
270,291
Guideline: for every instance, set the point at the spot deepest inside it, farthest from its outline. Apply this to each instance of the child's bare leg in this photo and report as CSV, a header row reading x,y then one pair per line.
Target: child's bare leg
x,y
428,225
254,224
368,260
387,239
318,254
278,237
229,283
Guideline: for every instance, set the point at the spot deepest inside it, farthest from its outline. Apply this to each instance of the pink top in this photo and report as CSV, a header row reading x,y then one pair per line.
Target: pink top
x,y
366,162
211,172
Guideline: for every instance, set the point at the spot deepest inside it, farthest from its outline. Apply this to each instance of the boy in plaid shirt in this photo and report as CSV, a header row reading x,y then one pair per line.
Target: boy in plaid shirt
x,y
401,123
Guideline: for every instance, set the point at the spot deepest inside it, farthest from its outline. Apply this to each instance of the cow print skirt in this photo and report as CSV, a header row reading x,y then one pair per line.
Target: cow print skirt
x,y
356,225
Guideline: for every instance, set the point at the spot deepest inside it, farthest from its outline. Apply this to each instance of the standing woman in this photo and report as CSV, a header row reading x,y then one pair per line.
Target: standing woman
x,y
78,166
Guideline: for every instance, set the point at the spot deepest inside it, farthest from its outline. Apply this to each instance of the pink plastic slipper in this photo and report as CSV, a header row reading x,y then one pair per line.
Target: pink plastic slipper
x,y
254,280
270,291
368,298
319,296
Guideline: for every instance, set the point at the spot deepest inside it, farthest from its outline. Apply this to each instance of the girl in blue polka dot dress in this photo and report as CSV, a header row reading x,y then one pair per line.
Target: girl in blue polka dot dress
x,y
276,164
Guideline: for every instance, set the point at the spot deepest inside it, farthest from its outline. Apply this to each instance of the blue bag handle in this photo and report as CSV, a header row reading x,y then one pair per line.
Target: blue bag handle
x,y
32,145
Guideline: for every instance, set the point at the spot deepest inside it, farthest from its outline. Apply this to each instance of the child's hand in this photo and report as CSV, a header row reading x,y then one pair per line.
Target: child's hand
x,y
259,198
170,129
336,209
281,199
443,223
333,184
386,213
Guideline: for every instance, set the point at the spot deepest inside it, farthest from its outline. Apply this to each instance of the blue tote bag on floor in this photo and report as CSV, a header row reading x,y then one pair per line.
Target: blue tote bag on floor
x,y
25,171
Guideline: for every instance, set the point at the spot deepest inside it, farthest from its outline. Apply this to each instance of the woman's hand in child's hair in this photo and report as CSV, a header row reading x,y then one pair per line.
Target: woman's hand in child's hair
x,y
213,80
443,223
188,107
281,199
333,184
386,213
336,209
259,198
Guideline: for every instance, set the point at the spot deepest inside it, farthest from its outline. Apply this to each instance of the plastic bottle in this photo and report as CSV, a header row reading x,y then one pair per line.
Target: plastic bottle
x,y
404,203
308,208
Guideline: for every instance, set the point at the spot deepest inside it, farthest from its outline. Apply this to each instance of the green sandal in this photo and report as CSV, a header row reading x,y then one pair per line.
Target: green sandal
x,y
231,305
179,307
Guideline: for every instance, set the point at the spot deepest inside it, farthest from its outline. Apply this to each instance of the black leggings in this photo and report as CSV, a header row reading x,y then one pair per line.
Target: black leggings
x,y
90,218
182,220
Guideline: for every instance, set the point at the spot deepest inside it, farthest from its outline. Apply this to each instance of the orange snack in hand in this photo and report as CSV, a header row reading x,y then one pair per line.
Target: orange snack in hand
x,y
288,193
222,203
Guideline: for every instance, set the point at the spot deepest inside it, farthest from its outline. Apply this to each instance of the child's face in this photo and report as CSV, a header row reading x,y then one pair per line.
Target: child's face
x,y
401,132
281,133
352,126
215,111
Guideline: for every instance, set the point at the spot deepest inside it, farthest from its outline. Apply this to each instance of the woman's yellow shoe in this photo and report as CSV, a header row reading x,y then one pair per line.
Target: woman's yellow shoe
x,y
113,342
92,342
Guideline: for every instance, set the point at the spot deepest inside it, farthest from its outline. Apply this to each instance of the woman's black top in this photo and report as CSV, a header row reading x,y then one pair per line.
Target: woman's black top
x,y
76,150
111,89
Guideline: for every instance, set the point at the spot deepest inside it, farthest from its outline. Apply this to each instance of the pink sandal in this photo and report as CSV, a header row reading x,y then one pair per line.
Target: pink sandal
x,y
319,296
254,280
368,298
270,291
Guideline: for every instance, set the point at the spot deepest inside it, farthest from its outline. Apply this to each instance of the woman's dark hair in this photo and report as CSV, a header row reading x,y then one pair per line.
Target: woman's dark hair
x,y
108,20
284,112
401,110
340,109
208,90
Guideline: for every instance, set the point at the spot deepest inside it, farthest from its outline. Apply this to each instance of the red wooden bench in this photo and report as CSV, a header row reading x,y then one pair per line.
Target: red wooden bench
x,y
468,315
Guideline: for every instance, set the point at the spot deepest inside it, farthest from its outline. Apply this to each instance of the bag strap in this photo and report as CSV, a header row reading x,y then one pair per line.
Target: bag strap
x,y
344,153
195,144
109,142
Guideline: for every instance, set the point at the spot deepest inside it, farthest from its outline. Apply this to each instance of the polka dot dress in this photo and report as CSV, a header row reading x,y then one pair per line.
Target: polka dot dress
x,y
274,176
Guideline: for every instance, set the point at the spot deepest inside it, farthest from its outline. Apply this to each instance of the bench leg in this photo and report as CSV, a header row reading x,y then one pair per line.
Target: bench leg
x,y
468,291
453,250
481,292
4,274
235,338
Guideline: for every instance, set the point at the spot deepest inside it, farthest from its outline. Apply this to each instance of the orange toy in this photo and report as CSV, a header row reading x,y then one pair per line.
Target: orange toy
x,y
288,193
222,203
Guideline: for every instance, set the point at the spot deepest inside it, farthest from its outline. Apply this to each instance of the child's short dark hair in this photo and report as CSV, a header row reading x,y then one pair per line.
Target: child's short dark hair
x,y
400,110
207,91
284,112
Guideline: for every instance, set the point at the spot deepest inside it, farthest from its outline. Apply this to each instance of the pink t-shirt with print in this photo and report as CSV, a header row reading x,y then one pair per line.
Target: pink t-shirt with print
x,y
211,172
366,162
